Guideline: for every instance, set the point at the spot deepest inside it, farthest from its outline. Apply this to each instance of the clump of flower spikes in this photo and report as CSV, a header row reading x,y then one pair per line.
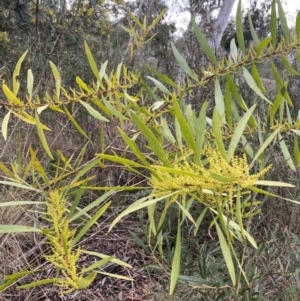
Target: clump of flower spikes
x,y
194,178
60,239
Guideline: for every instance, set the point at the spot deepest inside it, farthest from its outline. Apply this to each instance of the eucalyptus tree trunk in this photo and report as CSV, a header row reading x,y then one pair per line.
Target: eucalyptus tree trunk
x,y
221,23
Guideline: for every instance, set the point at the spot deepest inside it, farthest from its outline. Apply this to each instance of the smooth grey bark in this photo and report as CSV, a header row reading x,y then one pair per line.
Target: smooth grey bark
x,y
221,23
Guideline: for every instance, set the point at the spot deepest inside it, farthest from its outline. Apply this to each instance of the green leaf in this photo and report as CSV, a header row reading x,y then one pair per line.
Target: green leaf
x,y
226,253
137,205
77,126
278,100
257,78
57,78
265,144
154,143
233,50
178,133
29,83
85,169
235,93
19,203
252,84
157,19
111,275
114,260
42,136
262,45
203,42
288,66
185,129
10,95
15,81
280,84
273,24
76,200
5,125
163,77
201,127
17,229
199,220
182,62
166,130
239,213
296,150
219,101
97,264
238,132
286,154
298,25
136,20
112,110
239,28
159,85
186,213
18,185
94,204
91,61
38,283
133,146
121,160
82,84
221,178
283,22
90,223
253,32
93,112
216,126
176,260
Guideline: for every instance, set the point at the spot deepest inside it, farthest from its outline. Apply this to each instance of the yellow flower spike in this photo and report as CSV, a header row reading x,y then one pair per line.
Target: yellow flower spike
x,y
60,239
220,176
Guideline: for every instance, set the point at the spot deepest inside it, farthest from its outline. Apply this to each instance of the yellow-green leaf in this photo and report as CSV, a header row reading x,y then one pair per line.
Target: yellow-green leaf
x,y
296,150
253,32
91,61
216,126
203,42
42,136
77,126
252,84
273,23
265,144
286,154
90,223
176,260
239,28
82,84
298,25
16,83
283,22
93,112
159,85
219,99
288,66
238,132
262,45
57,78
226,253
11,96
5,124
29,83
182,62
17,229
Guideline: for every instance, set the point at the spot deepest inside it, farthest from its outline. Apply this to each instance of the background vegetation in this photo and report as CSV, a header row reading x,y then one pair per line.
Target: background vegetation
x,y
141,165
